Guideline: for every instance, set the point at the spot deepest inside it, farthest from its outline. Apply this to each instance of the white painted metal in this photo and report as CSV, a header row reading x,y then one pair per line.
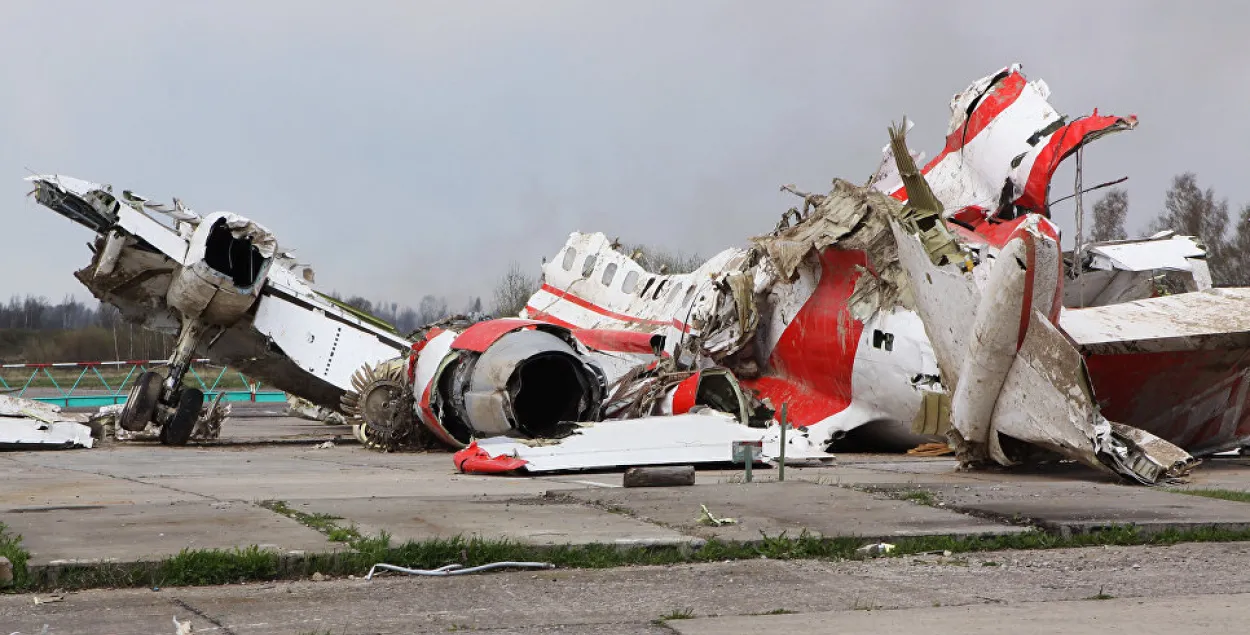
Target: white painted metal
x,y
682,439
1163,323
1176,253
326,341
24,422
1000,154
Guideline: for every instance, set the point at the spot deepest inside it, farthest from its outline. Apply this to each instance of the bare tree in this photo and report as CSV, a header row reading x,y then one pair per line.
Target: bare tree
x,y
408,320
1237,258
513,290
661,260
1110,213
1191,211
431,309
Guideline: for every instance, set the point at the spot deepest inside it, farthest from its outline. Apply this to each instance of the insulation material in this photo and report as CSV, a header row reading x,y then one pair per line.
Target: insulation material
x,y
854,219
247,229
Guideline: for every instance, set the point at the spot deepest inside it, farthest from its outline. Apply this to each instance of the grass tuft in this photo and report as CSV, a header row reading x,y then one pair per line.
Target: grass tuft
x,y
11,548
1222,494
678,614
1101,596
920,497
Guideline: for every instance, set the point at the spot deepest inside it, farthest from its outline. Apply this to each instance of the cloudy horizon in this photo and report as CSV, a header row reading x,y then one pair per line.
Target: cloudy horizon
x,y
413,148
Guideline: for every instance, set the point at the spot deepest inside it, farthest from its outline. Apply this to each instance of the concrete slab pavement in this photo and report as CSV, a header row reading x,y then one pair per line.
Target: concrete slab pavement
x,y
1213,614
628,600
112,490
792,507
1081,506
531,521
148,532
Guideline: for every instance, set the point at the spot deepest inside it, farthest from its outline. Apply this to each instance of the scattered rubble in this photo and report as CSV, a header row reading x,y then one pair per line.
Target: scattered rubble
x,y
707,518
207,425
305,409
878,549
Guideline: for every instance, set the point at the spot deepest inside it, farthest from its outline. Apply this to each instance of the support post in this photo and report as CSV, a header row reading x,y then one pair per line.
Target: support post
x,y
781,460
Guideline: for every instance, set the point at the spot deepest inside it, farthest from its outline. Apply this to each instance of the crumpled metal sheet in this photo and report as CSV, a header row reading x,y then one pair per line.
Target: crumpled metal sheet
x,y
1004,143
28,424
245,228
305,409
1203,320
1148,254
1039,394
853,218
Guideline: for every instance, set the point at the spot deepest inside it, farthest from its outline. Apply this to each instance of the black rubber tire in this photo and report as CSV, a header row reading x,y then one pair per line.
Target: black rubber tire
x,y
177,431
141,403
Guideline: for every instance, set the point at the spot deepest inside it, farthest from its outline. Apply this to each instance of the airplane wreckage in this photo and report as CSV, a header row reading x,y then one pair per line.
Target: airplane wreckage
x,y
929,305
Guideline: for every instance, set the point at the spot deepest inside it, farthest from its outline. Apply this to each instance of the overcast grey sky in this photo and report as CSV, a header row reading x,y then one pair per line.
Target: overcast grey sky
x,y
415,147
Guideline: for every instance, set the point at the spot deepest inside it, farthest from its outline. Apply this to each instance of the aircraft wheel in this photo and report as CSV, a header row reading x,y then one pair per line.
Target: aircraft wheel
x,y
141,402
177,431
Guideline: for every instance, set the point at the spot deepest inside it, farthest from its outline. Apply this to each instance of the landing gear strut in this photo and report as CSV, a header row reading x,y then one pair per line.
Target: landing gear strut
x,y
165,401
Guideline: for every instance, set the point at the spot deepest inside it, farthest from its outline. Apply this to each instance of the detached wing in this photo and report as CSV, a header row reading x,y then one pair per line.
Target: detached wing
x,y
1175,366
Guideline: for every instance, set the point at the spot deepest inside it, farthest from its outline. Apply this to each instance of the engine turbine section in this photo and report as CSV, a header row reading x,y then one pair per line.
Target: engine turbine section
x,y
512,377
225,267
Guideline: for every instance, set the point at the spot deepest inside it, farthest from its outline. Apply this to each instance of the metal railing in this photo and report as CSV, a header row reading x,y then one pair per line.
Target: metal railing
x,y
89,388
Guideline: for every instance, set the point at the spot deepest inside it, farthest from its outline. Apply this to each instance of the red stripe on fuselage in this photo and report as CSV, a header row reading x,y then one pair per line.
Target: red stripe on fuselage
x,y
995,100
1063,142
817,349
606,312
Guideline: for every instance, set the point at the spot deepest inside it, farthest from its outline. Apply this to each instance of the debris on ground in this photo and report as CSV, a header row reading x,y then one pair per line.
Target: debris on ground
x,y
207,425
305,409
26,424
876,549
931,449
458,569
707,518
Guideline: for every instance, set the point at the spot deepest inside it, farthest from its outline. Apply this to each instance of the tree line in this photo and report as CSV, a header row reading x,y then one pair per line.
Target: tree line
x,y
1188,210
33,329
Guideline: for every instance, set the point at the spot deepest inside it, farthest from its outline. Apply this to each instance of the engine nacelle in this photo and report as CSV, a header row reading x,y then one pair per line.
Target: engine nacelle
x,y
224,270
512,377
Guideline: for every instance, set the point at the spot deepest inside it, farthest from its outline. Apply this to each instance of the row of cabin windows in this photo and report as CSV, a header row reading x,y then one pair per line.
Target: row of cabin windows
x,y
631,279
